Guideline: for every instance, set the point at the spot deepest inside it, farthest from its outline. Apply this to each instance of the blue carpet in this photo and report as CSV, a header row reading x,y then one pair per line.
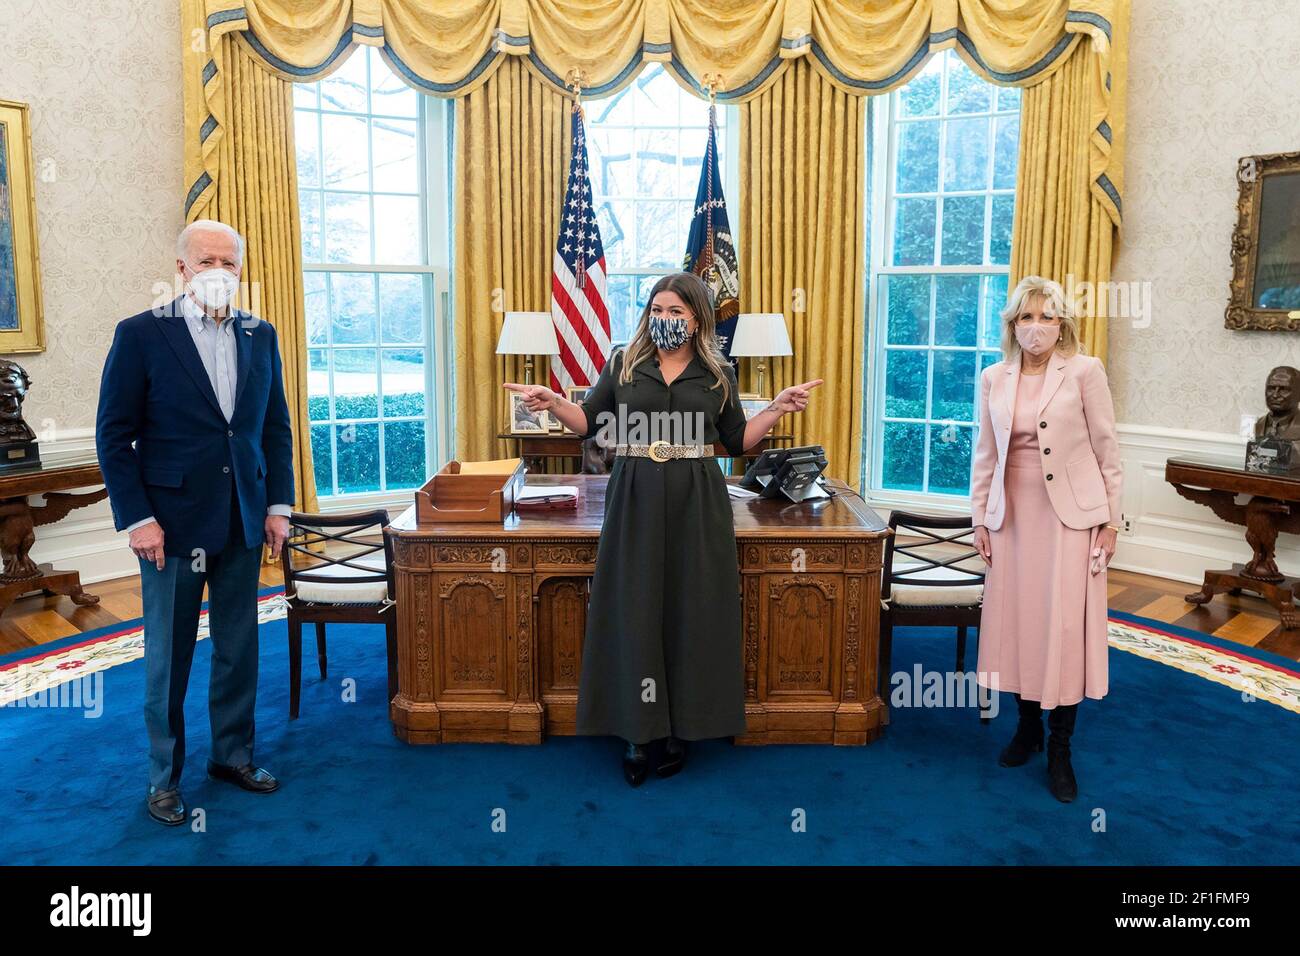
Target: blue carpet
x,y
1178,769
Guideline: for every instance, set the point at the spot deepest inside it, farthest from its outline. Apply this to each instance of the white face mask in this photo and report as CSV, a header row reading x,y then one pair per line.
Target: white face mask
x,y
214,287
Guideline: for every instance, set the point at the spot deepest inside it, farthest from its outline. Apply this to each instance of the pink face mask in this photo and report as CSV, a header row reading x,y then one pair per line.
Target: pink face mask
x,y
1037,338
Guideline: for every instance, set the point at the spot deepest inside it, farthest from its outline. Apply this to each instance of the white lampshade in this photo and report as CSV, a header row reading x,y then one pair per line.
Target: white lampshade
x,y
528,333
761,334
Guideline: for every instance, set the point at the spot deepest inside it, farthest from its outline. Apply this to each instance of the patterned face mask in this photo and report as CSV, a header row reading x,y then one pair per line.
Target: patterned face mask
x,y
668,334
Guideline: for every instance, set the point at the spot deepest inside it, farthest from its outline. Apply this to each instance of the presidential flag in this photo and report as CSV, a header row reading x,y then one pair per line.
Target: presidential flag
x,y
710,252
578,304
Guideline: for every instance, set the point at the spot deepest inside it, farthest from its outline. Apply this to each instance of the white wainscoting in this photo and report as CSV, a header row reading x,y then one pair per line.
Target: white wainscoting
x,y
1168,536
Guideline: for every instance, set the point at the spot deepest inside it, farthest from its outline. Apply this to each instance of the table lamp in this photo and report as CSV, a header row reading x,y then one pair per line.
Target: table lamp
x,y
528,334
760,334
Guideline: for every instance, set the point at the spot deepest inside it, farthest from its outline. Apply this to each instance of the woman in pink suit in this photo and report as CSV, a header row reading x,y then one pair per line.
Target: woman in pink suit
x,y
1045,499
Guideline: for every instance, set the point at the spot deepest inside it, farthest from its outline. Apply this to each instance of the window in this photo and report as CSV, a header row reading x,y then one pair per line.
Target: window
x,y
368,184
645,147
942,194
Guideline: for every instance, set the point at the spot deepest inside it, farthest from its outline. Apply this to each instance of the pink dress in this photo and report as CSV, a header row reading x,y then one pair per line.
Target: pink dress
x,y
1043,625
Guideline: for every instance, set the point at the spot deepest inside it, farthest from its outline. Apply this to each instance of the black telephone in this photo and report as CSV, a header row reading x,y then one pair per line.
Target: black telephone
x,y
795,473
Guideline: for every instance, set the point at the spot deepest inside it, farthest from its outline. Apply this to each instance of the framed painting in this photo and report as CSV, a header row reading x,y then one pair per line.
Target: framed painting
x,y
21,321
1265,288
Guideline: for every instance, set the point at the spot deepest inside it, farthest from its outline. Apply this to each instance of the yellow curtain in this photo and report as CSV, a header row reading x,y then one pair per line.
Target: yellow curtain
x,y
1067,192
249,140
511,163
802,167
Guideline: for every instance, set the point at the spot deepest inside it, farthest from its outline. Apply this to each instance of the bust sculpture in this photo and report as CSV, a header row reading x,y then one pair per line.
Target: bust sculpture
x,y
14,383
1282,396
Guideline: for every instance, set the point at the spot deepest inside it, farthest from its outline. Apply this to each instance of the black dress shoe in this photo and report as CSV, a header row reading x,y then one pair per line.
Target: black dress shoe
x,y
635,764
253,779
167,807
673,759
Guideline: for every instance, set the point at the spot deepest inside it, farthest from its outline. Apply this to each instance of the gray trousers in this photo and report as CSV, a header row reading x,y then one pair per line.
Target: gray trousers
x,y
172,600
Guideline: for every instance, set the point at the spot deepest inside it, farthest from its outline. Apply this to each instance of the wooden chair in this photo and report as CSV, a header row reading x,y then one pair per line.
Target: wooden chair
x,y
939,582
335,571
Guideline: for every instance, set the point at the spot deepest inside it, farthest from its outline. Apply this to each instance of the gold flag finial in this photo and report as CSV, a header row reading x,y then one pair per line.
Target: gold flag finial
x,y
575,79
712,82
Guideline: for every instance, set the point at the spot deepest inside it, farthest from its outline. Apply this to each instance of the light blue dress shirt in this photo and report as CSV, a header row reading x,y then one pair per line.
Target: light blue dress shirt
x,y
219,353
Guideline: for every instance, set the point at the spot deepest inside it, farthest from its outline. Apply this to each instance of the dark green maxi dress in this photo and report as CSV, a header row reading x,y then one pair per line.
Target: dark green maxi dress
x,y
665,598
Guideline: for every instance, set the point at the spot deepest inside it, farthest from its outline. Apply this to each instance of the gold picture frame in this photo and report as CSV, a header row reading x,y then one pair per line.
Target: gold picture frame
x,y
22,319
753,403
575,393
1265,289
520,421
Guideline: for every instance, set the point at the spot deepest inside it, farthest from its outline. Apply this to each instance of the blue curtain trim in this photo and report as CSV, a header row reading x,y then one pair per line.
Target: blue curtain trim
x,y
1109,189
206,129
209,71
1104,128
200,186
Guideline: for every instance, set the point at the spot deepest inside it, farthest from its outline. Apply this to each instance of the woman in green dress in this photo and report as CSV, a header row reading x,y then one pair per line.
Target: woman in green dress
x,y
663,653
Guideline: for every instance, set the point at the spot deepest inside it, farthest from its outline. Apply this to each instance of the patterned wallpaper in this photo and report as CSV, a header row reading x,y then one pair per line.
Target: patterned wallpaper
x,y
1205,88
1208,82
103,82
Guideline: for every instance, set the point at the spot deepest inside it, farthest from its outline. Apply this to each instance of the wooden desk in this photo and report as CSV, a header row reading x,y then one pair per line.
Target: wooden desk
x,y
491,620
536,448
1215,482
18,520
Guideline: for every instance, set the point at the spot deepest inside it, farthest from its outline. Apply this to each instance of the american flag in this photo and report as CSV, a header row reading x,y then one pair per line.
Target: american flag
x,y
578,304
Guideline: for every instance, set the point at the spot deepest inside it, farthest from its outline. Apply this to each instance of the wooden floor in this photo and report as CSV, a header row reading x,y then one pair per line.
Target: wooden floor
x,y
1245,619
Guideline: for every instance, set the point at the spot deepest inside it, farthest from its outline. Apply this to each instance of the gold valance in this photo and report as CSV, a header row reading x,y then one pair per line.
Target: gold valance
x,y
740,47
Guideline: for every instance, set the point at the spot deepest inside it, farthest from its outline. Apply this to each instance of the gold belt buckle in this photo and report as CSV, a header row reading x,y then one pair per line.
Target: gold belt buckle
x,y
655,451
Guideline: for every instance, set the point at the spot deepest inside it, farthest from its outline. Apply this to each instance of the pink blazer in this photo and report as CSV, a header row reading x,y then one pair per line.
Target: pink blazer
x,y
1078,448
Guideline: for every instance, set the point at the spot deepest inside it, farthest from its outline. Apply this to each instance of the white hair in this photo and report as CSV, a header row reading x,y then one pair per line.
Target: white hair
x,y
206,225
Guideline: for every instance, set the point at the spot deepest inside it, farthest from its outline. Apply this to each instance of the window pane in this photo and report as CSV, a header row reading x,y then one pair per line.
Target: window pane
x,y
309,203
389,96
658,243
904,456
656,163
1006,151
347,227
397,230
352,309
963,230
616,223
347,159
693,144
619,293
956,310
918,157
953,391
318,384
403,372
1000,231
905,371
967,93
609,162
914,222
394,155
617,110
966,157
306,95
654,95
995,300
345,88
401,308
356,384
908,309
358,457
322,455
316,305
1009,98
404,459
920,97
950,450
307,148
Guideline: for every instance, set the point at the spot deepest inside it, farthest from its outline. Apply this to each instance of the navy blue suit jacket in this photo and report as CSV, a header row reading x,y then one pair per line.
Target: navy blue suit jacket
x,y
164,446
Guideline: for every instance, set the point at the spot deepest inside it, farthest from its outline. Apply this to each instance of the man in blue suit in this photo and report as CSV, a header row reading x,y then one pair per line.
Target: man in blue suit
x,y
194,443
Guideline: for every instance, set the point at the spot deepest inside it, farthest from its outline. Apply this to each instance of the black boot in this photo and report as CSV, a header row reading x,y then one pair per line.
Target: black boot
x,y
635,763
1060,775
1029,735
673,759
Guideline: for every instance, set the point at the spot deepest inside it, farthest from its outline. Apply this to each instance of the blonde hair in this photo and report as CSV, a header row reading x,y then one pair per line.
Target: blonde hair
x,y
1055,303
692,290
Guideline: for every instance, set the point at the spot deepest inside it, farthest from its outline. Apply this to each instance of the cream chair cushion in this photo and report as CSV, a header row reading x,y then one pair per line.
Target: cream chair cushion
x,y
345,592
909,595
